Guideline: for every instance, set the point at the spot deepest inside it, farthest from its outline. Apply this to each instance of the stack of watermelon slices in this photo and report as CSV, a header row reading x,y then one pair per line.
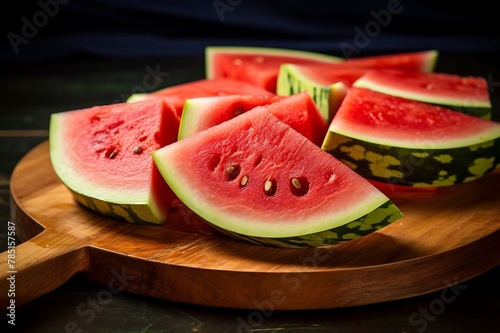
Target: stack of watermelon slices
x,y
275,168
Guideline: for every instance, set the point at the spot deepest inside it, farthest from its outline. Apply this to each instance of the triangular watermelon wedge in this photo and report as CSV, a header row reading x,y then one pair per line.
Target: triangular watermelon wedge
x,y
255,178
102,154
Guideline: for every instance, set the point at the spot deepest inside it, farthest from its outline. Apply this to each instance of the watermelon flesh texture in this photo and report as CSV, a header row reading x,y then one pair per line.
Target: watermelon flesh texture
x,y
255,178
419,61
298,111
468,94
329,74
257,65
103,156
404,142
204,112
177,94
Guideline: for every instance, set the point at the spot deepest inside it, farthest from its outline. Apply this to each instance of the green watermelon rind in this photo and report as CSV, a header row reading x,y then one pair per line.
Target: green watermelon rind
x,y
469,106
137,97
412,166
327,98
189,119
132,213
212,51
375,220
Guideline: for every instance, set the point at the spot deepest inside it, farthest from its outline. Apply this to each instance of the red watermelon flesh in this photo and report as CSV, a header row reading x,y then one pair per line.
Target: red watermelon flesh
x,y
298,111
178,94
400,122
421,61
264,76
103,155
327,75
204,112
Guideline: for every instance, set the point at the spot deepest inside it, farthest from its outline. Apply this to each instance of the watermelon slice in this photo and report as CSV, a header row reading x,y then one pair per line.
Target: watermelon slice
x,y
255,178
328,83
298,111
405,142
468,94
103,156
178,94
257,65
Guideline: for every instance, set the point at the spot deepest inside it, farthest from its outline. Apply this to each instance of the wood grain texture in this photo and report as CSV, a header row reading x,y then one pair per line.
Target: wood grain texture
x,y
446,237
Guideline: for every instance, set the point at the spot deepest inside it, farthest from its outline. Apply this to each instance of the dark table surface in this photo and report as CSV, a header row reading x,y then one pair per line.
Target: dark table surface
x,y
31,92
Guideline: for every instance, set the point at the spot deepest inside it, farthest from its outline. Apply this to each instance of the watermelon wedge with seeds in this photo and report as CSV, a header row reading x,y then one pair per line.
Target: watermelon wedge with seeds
x,y
102,154
255,178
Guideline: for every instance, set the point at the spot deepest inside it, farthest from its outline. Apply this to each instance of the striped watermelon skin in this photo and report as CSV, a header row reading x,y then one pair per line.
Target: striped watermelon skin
x,y
290,83
412,166
139,214
377,219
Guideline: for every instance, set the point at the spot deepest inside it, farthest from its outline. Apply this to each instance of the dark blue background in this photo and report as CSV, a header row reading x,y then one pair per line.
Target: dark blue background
x,y
160,28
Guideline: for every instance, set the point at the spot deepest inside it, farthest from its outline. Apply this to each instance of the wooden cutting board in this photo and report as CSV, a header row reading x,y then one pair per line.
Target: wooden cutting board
x,y
447,236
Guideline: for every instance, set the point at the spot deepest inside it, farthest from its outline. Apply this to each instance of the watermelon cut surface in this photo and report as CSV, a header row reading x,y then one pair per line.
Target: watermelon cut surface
x,y
418,61
468,94
405,142
177,94
257,65
204,112
298,111
255,178
103,156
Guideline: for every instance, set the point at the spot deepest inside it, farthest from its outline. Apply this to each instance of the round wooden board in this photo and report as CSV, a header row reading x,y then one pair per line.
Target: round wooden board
x,y
447,236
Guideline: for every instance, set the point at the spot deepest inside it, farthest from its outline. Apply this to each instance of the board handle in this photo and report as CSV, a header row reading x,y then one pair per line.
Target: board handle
x,y
38,266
